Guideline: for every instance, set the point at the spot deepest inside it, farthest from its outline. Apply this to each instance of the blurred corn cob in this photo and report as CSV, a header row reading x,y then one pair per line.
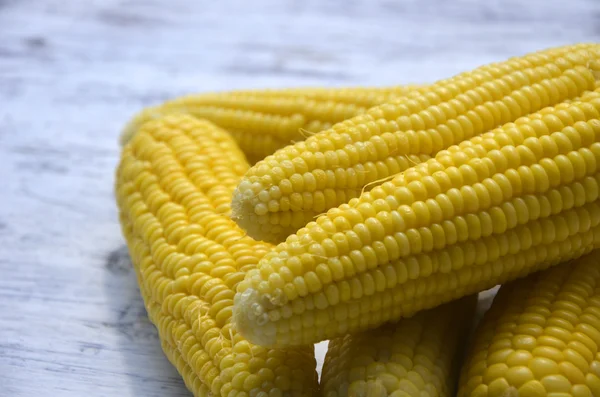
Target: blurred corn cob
x,y
262,121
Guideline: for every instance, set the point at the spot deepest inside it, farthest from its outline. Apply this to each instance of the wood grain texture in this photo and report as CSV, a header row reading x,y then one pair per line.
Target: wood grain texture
x,y
72,72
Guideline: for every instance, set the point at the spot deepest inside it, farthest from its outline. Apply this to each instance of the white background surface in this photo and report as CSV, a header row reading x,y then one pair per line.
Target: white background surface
x,y
72,72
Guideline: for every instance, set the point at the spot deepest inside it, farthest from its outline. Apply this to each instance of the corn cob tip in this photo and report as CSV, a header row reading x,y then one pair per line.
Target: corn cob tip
x,y
127,132
250,319
240,207
245,214
136,122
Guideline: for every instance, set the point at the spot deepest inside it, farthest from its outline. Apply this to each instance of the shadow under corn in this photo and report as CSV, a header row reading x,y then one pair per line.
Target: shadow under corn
x,y
148,370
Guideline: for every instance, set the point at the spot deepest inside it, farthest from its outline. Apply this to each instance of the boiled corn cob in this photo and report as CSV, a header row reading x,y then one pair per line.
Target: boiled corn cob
x,y
418,356
262,121
541,336
502,205
174,186
287,190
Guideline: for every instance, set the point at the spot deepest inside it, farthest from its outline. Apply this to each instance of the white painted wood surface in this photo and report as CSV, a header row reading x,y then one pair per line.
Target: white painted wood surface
x,y
72,72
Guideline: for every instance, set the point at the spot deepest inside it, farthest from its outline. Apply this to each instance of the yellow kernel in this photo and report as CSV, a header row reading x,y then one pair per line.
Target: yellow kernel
x,y
518,375
541,366
556,383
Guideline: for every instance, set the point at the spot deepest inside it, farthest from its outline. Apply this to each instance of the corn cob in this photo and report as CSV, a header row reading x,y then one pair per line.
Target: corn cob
x,y
418,356
504,204
287,190
262,121
541,336
174,185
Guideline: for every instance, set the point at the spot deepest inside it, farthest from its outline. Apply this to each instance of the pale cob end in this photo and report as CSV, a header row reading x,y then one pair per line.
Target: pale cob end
x,y
242,211
247,313
541,337
251,217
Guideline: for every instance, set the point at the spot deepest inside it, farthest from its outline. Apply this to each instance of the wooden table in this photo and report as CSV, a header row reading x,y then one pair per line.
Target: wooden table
x,y
72,72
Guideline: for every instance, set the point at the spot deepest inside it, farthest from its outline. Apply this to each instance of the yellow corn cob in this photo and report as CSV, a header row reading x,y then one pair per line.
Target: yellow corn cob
x,y
541,336
363,96
263,121
418,356
288,189
504,204
174,185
